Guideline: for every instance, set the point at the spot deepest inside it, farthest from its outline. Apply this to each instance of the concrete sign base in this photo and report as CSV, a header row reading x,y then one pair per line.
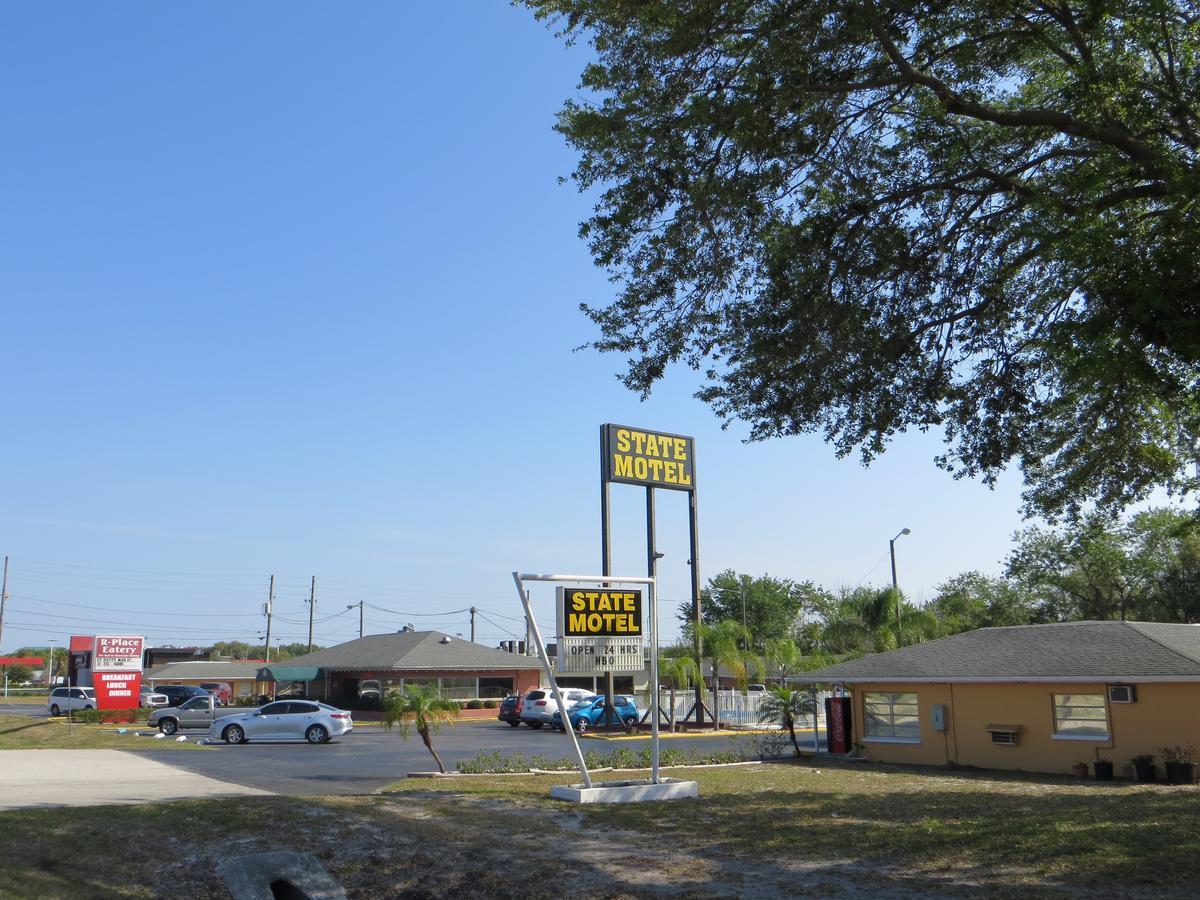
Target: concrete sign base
x,y
626,791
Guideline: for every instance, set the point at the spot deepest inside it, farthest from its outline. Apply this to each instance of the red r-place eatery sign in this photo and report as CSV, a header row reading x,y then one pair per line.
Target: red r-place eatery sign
x,y
117,670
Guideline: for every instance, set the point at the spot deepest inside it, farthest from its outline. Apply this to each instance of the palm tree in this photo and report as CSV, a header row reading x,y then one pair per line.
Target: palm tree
x,y
785,656
722,646
782,706
682,672
420,707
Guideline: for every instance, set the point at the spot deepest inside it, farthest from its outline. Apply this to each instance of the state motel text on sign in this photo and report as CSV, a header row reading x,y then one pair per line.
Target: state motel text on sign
x,y
651,458
599,630
117,671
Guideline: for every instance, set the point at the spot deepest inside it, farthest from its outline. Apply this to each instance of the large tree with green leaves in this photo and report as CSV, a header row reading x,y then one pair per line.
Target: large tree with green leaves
x,y
863,216
767,606
1146,568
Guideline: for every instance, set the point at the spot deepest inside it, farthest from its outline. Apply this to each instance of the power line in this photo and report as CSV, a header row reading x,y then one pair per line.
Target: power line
x,y
139,612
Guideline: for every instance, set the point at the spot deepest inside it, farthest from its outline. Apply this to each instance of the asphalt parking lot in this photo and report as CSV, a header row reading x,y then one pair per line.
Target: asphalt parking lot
x,y
370,757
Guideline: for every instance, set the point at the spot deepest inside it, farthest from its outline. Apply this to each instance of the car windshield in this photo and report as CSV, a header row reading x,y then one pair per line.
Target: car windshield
x,y
582,703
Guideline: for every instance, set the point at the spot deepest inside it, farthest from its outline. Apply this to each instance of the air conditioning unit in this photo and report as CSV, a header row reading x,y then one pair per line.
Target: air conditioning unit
x,y
1122,693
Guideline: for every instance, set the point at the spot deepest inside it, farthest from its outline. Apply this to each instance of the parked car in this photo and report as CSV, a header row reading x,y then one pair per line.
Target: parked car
x,y
69,699
510,710
178,694
148,697
199,712
538,706
756,688
589,713
221,690
284,720
370,689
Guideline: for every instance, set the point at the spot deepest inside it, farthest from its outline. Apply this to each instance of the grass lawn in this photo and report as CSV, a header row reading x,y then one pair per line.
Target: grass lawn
x,y
763,831
28,733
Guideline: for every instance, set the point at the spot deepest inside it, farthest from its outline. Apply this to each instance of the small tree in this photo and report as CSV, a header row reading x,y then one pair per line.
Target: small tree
x,y
723,645
420,707
682,672
782,706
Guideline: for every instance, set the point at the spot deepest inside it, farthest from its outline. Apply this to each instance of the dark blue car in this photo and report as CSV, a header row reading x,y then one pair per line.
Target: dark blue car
x,y
589,713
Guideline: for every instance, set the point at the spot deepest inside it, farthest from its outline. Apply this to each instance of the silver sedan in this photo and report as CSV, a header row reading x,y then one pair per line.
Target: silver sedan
x,y
284,720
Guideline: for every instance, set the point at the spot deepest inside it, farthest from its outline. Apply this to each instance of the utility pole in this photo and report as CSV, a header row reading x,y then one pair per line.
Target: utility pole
x,y
360,618
50,679
267,612
472,624
312,606
3,601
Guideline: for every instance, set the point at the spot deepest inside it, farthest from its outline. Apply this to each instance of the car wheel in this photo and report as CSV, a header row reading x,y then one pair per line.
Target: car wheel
x,y
55,711
168,726
316,734
536,724
234,735
88,706
581,726
515,724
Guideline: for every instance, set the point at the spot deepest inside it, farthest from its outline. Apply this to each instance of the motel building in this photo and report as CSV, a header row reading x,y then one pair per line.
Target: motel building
x,y
1038,698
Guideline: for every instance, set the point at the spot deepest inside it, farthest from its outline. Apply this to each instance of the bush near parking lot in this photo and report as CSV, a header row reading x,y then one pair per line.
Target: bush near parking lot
x,y
474,704
108,716
494,762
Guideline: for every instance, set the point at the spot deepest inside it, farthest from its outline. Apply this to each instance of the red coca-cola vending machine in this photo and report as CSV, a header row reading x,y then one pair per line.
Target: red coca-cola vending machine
x,y
117,671
839,725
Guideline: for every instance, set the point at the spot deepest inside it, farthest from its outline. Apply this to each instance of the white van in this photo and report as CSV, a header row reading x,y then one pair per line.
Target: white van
x,y
69,699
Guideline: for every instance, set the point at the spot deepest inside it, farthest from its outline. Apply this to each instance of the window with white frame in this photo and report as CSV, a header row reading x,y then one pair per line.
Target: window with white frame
x,y
891,716
1080,716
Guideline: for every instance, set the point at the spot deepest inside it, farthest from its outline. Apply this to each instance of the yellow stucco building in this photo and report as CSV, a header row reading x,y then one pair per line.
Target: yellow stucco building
x,y
1037,698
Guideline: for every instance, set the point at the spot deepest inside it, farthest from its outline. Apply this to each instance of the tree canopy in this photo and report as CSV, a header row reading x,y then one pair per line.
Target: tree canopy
x,y
767,606
860,218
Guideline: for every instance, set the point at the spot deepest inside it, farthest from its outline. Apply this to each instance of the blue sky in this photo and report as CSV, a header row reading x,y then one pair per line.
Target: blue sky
x,y
293,289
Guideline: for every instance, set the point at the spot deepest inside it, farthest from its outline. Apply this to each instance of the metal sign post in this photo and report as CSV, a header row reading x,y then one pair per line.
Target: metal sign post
x,y
607,581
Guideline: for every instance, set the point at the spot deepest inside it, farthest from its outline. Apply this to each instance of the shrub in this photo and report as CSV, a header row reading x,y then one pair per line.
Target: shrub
x,y
474,704
491,704
108,716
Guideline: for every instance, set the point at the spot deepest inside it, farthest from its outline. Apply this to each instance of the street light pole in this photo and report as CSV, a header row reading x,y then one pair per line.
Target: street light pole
x,y
895,586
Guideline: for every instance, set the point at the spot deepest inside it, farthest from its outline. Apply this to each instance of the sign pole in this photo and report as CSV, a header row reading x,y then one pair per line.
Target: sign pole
x,y
562,706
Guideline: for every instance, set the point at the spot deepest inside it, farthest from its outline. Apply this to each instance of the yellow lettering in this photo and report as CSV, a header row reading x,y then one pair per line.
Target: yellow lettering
x,y
640,468
680,448
622,466
595,622
656,466
652,445
639,442
669,472
577,604
603,604
576,622
684,478
623,440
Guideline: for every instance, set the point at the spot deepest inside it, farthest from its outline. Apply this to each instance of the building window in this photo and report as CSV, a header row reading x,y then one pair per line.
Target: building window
x,y
459,688
495,687
1082,716
891,717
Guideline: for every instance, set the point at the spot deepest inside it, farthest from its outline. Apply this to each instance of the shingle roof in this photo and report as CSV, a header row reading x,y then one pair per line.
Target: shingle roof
x,y
412,650
1069,651
217,670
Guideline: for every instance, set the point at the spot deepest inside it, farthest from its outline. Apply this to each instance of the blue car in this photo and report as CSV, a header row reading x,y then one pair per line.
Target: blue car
x,y
589,713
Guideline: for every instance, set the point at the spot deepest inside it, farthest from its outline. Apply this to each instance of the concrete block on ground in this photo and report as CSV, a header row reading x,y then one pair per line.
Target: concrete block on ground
x,y
639,791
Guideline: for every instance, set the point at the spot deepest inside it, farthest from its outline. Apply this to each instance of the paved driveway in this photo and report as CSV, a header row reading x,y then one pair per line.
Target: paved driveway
x,y
370,757
41,778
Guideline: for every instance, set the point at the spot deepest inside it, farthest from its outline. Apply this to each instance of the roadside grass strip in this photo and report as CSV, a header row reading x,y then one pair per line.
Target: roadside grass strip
x,y
772,830
29,733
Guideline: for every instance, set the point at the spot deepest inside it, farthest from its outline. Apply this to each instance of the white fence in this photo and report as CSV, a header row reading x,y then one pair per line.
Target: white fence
x,y
734,708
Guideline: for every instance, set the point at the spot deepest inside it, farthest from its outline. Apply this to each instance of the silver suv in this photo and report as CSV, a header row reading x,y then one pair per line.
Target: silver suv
x,y
69,699
539,706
